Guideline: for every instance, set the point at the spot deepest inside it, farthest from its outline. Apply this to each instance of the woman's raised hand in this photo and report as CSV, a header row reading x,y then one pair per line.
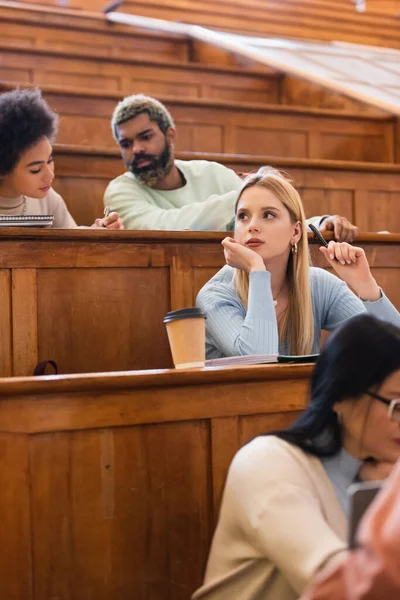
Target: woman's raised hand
x,y
351,264
240,257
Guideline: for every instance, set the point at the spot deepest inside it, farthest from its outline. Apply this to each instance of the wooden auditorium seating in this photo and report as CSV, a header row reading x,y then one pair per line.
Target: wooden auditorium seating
x,y
110,484
213,125
58,30
237,114
120,76
62,33
310,19
95,300
366,193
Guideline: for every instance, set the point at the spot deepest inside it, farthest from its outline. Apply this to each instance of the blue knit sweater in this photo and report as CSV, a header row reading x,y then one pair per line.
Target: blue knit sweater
x,y
233,331
342,470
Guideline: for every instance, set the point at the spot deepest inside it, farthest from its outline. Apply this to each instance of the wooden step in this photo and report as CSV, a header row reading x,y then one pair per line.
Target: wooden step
x,y
276,18
299,92
62,29
132,75
310,19
367,193
334,13
292,90
165,55
33,28
235,127
92,35
210,73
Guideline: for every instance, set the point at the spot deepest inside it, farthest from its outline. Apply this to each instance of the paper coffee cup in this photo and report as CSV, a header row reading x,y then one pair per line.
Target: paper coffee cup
x,y
187,337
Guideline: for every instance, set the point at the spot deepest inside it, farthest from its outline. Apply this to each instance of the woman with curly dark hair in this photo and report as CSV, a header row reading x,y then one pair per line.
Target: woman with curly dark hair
x,y
27,129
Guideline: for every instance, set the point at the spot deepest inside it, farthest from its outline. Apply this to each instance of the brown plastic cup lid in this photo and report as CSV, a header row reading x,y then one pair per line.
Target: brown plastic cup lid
x,y
184,313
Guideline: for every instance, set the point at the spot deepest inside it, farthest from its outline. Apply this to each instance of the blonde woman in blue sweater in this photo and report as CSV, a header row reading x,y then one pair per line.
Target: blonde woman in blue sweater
x,y
267,299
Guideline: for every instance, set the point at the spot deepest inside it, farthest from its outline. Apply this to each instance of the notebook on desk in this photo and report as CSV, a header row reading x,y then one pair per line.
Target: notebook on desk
x,y
26,220
259,359
235,361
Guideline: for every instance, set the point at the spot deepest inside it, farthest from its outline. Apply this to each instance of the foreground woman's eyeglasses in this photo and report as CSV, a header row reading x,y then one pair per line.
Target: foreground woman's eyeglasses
x,y
394,406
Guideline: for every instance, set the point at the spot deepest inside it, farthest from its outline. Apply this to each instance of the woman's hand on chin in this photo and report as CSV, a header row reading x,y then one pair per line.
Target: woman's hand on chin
x,y
240,257
351,264
113,221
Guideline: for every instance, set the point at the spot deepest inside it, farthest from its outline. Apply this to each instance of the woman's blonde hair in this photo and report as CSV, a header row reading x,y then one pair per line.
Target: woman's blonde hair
x,y
297,323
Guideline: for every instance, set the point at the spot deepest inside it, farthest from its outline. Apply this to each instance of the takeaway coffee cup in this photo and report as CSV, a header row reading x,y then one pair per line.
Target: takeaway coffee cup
x,y
187,337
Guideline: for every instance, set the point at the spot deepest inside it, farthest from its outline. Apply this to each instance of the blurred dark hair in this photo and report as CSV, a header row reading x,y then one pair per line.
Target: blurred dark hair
x,y
25,118
358,357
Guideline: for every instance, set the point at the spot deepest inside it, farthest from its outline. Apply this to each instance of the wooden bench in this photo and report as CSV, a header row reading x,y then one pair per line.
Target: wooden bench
x,y
134,73
232,127
366,193
110,484
60,30
290,19
315,19
95,300
67,33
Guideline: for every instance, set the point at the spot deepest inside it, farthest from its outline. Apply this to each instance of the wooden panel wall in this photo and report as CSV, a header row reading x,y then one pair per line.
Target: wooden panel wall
x,y
16,563
110,485
299,92
95,300
109,301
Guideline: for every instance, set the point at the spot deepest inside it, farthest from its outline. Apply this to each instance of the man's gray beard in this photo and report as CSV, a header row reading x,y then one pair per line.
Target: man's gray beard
x,y
152,176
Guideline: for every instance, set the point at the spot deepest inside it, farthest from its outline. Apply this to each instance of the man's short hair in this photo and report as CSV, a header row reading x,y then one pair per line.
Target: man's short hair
x,y
25,118
132,106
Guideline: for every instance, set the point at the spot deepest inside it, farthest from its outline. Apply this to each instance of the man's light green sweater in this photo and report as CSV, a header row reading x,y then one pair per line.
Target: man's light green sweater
x,y
205,203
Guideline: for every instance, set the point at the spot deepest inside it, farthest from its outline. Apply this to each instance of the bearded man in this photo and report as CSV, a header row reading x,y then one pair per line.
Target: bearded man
x,y
160,192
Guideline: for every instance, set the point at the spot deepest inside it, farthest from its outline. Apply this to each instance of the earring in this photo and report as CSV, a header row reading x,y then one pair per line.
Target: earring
x,y
294,248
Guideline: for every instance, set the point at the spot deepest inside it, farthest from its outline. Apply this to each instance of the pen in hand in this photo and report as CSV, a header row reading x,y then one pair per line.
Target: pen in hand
x,y
321,239
319,236
106,213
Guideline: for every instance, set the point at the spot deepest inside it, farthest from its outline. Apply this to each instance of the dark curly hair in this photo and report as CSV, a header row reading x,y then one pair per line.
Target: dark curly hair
x,y
25,118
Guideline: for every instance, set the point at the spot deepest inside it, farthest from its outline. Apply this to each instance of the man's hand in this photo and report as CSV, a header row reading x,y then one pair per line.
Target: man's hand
x,y
112,221
342,229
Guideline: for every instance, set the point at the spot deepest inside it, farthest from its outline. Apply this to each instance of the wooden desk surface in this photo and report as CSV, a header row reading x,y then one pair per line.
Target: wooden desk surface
x,y
95,300
62,402
110,483
15,233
